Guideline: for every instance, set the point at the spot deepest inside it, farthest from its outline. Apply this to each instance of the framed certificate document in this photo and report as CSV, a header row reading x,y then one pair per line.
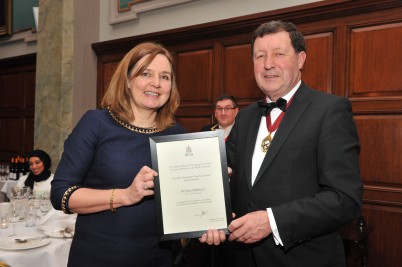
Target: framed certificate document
x,y
192,187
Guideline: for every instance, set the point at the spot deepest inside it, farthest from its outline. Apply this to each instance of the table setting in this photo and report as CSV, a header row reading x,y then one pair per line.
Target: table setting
x,y
32,233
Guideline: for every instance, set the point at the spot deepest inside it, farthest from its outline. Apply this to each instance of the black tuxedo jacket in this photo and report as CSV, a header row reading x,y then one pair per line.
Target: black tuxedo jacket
x,y
309,177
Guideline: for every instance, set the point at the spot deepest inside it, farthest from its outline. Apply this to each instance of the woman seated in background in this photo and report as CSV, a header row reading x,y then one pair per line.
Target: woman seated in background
x,y
40,177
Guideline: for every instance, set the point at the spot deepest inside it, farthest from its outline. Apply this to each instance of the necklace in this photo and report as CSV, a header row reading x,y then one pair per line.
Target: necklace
x,y
133,127
266,142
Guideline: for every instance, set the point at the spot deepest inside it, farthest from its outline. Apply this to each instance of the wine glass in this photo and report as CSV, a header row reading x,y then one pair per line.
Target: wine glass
x,y
44,204
25,192
19,202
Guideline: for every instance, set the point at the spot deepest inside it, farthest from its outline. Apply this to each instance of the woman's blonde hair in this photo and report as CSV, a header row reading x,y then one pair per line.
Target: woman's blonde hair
x,y
118,95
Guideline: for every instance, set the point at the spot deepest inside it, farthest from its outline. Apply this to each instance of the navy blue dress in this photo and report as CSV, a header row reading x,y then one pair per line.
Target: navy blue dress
x,y
102,154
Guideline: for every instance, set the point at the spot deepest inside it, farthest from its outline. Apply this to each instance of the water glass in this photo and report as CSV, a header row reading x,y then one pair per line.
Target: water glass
x,y
18,209
19,202
5,211
31,217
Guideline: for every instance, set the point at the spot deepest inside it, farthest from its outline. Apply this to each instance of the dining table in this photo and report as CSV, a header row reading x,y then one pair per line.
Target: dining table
x,y
48,250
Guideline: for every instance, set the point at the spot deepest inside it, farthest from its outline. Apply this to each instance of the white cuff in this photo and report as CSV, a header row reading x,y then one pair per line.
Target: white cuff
x,y
274,228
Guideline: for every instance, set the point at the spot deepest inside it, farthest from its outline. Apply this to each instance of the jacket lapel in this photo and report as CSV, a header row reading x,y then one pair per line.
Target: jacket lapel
x,y
296,109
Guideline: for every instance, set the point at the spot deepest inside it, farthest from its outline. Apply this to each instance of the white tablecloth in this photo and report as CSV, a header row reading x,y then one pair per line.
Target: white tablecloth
x,y
54,254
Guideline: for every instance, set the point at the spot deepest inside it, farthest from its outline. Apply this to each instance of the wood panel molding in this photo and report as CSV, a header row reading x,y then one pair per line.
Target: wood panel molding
x,y
383,195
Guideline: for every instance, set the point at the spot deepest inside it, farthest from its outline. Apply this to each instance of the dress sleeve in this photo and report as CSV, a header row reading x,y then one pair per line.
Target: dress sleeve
x,y
79,150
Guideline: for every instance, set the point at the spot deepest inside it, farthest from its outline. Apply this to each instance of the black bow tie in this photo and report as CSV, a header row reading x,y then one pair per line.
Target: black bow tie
x,y
267,107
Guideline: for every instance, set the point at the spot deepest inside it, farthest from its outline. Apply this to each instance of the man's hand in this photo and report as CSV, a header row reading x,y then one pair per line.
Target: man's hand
x,y
250,228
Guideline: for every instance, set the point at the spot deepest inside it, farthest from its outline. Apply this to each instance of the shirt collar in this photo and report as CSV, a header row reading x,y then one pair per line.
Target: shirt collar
x,y
289,95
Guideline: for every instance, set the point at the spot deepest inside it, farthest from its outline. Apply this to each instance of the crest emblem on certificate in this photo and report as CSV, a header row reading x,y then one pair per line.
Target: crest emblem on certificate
x,y
189,151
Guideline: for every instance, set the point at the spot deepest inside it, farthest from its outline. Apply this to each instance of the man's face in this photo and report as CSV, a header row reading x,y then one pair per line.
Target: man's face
x,y
225,112
276,64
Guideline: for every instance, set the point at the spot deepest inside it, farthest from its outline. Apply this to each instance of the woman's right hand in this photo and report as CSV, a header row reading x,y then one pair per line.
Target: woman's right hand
x,y
88,200
142,185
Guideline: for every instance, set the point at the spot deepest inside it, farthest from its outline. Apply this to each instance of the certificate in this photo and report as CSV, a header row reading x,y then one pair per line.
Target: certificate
x,y
192,186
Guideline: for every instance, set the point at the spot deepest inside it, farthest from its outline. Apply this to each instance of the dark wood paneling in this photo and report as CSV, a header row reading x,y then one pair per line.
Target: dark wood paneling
x,y
194,76
384,242
238,73
28,134
317,70
12,133
12,91
376,50
192,124
17,105
108,70
106,67
353,50
381,146
30,79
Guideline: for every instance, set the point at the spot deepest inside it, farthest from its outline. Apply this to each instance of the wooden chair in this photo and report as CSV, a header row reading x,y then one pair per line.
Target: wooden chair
x,y
355,239
3,264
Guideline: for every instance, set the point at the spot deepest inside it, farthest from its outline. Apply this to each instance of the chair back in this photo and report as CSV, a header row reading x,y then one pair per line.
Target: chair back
x,y
3,264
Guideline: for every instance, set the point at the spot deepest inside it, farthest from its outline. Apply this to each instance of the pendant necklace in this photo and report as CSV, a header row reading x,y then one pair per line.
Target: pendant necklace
x,y
266,142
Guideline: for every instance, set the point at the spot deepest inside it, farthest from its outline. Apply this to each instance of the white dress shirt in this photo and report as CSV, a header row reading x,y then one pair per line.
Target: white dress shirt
x,y
226,130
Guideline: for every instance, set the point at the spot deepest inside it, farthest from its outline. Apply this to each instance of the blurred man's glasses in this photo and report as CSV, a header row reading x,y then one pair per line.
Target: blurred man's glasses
x,y
224,109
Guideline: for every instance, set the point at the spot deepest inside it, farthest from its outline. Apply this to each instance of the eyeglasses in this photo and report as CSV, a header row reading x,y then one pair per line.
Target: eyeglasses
x,y
224,109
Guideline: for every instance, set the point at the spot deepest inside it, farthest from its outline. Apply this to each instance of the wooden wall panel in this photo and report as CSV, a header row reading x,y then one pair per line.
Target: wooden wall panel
x,y
238,73
381,146
29,131
12,133
376,50
107,70
384,248
17,101
193,124
30,79
194,76
317,70
12,85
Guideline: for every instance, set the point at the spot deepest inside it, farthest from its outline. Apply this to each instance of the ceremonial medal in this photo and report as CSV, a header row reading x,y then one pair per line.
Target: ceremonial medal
x,y
266,142
282,104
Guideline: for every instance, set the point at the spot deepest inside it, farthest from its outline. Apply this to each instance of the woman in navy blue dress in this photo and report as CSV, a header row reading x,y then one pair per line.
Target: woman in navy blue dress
x,y
105,172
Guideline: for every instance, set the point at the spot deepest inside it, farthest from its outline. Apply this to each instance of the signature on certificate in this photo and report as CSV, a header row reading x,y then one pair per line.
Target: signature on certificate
x,y
202,214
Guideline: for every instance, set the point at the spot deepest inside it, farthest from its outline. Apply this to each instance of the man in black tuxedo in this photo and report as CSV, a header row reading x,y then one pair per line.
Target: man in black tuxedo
x,y
225,114
295,163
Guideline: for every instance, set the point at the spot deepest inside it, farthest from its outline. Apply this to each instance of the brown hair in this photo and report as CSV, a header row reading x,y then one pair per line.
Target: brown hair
x,y
275,26
118,95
